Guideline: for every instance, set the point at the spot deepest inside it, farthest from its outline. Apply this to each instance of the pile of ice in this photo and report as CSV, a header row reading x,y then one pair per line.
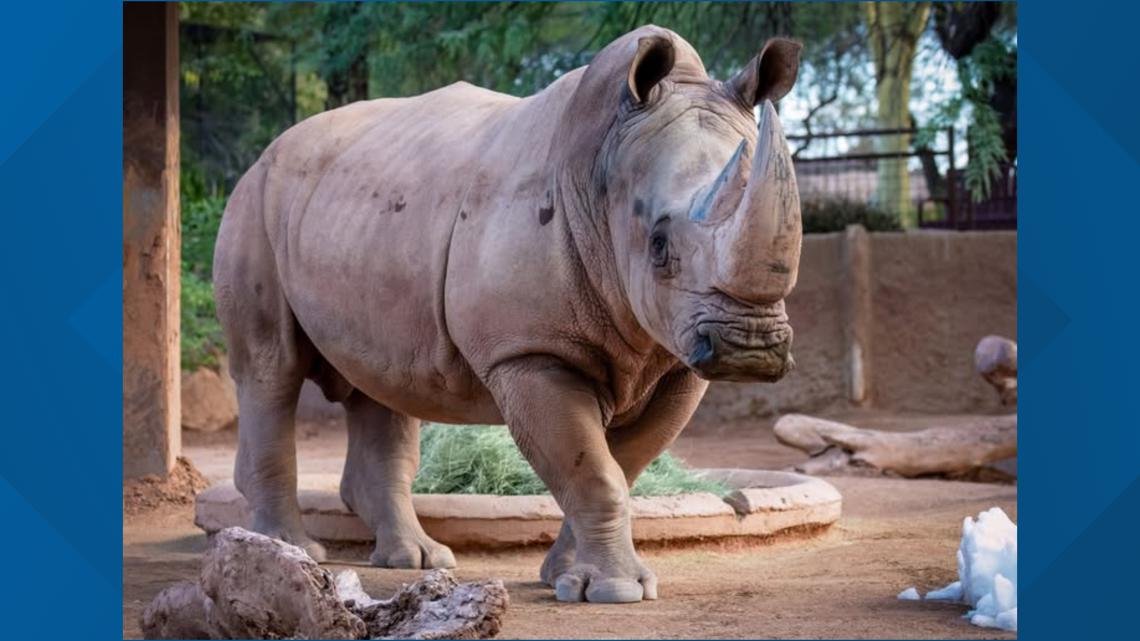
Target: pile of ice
x,y
987,571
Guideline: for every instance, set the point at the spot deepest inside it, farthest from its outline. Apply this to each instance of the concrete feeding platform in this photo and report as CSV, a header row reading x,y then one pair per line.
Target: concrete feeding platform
x,y
763,503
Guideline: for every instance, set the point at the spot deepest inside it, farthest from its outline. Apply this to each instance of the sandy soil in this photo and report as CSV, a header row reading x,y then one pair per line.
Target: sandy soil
x,y
150,492
841,584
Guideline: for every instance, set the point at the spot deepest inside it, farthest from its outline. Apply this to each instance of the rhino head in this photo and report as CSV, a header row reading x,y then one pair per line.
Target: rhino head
x,y
703,212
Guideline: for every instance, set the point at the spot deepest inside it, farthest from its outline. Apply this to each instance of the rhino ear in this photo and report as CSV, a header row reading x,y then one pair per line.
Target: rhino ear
x,y
770,75
652,62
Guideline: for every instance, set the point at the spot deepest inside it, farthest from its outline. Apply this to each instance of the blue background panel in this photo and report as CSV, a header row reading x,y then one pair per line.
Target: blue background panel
x,y
61,455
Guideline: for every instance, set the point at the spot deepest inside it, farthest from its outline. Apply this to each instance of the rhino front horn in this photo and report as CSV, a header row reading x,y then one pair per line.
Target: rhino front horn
x,y
759,244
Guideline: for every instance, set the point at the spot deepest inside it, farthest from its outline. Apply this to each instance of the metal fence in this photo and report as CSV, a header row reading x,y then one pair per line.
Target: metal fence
x,y
880,170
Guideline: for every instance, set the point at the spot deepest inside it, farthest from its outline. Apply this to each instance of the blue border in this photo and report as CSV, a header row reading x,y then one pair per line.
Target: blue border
x,y
61,311
1080,439
60,173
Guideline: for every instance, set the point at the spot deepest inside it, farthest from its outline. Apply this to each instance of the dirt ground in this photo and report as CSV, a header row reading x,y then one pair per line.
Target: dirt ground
x,y
842,583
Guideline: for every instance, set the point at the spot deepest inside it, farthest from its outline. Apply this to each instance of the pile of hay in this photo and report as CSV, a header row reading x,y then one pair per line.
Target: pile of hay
x,y
483,459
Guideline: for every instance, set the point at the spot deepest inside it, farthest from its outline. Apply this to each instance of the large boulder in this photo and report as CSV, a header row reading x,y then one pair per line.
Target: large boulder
x,y
209,399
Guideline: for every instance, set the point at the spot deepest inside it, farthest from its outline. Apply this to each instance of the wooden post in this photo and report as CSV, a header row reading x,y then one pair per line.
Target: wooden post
x,y
151,240
856,308
952,182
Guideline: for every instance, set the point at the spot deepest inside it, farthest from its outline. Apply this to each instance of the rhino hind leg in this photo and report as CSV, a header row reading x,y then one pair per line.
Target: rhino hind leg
x,y
268,356
266,467
383,456
265,470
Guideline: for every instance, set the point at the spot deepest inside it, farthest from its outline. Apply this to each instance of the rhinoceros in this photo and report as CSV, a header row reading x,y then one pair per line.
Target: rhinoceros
x,y
576,264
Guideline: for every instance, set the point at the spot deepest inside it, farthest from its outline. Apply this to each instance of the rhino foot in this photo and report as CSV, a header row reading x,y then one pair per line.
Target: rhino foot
x,y
560,557
413,551
583,582
557,563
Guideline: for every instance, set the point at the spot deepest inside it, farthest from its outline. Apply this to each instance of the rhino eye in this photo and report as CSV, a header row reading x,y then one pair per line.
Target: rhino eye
x,y
659,249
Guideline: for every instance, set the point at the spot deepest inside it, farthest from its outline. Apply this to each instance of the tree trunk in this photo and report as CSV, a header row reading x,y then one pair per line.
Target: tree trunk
x,y
894,29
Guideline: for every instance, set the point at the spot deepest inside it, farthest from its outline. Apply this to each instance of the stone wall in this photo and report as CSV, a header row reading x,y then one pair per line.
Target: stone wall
x,y
887,320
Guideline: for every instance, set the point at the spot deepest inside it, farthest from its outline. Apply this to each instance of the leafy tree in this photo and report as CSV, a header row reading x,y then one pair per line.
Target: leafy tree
x,y
981,38
893,31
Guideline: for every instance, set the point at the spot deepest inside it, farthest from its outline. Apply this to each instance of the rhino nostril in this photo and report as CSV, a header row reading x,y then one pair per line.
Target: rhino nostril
x,y
703,351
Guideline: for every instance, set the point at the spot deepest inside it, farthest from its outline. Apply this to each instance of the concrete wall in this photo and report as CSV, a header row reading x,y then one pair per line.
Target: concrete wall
x,y
888,320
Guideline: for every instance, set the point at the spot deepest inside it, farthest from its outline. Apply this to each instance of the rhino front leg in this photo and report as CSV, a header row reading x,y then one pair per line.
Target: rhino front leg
x,y
556,420
634,446
383,456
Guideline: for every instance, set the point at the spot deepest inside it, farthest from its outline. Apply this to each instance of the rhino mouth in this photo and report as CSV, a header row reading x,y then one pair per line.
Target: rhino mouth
x,y
742,348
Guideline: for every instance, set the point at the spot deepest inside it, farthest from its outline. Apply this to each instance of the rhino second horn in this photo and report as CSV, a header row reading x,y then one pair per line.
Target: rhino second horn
x,y
760,243
722,196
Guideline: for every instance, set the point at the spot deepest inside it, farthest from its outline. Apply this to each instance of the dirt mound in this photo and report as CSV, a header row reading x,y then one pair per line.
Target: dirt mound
x,y
152,491
209,399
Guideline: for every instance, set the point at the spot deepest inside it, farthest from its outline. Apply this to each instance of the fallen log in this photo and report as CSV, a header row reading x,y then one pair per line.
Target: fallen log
x,y
948,450
255,587
942,450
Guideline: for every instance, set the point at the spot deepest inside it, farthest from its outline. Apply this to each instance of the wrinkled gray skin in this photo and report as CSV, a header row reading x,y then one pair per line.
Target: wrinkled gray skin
x,y
575,264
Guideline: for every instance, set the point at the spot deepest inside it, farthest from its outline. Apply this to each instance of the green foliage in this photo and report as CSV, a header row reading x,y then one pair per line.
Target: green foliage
x,y
201,333
472,459
987,150
822,216
481,459
667,476
202,208
236,88
992,60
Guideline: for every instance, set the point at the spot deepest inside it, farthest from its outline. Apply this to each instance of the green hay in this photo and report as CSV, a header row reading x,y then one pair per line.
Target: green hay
x,y
482,459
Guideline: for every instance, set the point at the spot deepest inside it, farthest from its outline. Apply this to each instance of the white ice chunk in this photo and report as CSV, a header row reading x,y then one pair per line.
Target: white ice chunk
x,y
987,571
1007,620
1005,596
909,594
952,592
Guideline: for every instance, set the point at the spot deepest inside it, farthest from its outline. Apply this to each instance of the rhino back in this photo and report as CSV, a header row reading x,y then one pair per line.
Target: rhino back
x,y
359,207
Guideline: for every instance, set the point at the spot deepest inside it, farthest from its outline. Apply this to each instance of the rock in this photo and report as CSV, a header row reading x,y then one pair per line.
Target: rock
x,y
255,587
266,588
209,399
252,587
181,611
437,607
995,359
